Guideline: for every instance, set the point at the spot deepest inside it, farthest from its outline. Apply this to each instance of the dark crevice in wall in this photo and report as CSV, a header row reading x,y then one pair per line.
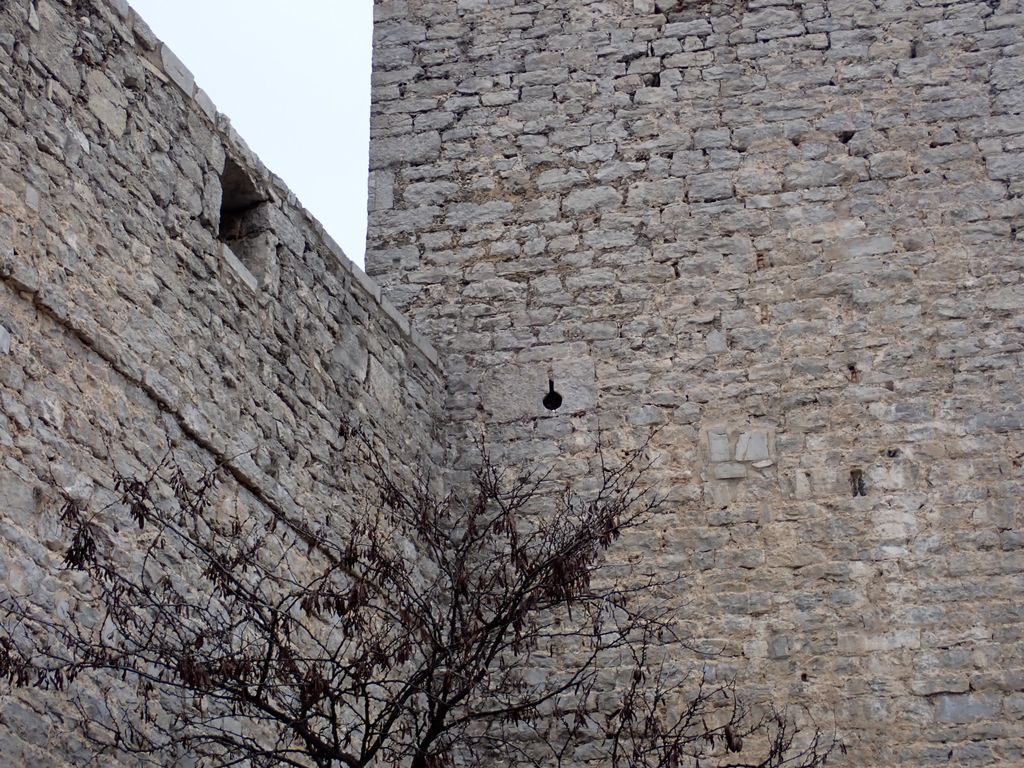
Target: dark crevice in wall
x,y
857,484
238,191
240,227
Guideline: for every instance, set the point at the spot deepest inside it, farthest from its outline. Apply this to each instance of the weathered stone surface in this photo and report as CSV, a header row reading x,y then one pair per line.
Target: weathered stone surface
x,y
137,313
785,234
381,196
591,199
788,235
1009,298
406,149
107,102
518,393
176,70
997,421
966,708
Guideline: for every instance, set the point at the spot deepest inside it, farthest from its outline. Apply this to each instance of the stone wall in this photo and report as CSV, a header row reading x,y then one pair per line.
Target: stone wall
x,y
158,286
788,234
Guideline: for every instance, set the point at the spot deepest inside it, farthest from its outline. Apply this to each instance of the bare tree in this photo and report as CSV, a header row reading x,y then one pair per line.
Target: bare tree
x,y
482,626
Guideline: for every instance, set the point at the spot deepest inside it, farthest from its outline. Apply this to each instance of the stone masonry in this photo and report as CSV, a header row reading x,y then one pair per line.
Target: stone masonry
x,y
788,235
158,286
782,235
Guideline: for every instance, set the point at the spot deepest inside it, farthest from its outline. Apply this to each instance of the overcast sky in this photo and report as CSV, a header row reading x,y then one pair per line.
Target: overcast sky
x,y
294,77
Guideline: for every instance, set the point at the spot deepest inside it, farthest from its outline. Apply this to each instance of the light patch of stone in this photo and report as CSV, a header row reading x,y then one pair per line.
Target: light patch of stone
x,y
107,102
518,392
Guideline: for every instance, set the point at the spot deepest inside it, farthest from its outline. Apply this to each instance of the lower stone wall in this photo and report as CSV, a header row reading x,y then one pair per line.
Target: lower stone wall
x,y
159,287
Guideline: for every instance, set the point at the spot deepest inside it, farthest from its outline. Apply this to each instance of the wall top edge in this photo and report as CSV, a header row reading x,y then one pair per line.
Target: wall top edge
x,y
166,66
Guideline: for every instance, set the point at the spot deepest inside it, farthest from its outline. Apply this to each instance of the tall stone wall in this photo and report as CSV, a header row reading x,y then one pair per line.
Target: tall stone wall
x,y
788,235
158,286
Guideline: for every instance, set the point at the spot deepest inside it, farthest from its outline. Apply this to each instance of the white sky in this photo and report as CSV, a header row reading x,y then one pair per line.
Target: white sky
x,y
294,77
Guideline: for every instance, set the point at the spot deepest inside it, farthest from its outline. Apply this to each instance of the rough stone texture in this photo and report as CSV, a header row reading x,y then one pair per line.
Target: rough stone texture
x,y
790,235
126,324
786,234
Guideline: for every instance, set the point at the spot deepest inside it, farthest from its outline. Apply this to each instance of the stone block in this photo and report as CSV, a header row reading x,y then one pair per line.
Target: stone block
x,y
383,386
494,288
965,708
705,187
393,32
646,416
106,102
560,179
816,174
719,447
1008,298
697,27
591,199
176,70
473,214
647,194
889,165
737,516
729,470
396,317
997,421
238,268
349,358
715,342
515,392
770,17
430,192
381,192
857,247
403,150
19,501
205,103
367,283
753,446
778,647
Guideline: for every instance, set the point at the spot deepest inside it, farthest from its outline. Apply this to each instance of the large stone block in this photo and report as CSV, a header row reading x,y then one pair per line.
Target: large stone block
x,y
415,148
515,393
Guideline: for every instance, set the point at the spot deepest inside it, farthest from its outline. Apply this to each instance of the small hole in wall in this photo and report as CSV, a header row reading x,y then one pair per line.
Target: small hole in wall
x,y
854,374
857,486
552,400
238,196
242,228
